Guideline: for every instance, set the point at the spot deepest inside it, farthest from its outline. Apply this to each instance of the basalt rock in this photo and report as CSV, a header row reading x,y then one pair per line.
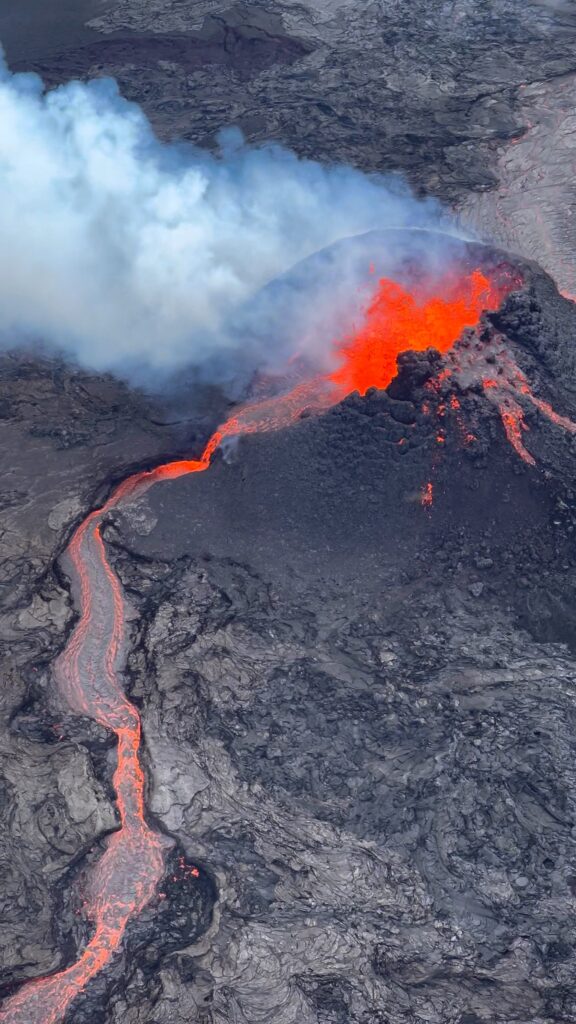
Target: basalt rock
x,y
66,433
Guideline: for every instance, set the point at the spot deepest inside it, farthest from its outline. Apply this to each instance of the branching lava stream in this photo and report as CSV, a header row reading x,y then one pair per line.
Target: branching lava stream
x,y
88,671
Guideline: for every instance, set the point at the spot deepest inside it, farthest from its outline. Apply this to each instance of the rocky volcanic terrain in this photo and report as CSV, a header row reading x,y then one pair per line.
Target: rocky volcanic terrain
x,y
436,89
360,713
358,710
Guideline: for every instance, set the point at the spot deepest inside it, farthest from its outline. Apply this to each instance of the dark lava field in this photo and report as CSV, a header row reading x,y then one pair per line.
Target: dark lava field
x,y
358,707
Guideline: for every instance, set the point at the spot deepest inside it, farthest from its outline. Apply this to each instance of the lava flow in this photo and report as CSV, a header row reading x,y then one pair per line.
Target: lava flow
x,y
88,671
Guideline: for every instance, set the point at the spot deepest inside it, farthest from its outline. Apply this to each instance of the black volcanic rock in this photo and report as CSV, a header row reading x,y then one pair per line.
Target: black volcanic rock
x,y
245,46
471,101
416,86
358,710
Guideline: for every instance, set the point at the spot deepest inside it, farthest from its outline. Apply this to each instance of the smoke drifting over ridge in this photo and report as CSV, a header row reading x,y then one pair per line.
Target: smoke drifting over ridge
x,y
133,255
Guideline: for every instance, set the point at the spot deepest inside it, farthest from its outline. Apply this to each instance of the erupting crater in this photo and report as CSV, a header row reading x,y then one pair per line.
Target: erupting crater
x,y
432,314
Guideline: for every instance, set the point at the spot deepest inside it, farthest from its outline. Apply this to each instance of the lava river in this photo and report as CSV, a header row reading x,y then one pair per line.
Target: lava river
x,y
88,673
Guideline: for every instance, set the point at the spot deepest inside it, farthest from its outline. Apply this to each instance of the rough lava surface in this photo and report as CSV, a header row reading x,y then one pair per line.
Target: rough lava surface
x,y
358,710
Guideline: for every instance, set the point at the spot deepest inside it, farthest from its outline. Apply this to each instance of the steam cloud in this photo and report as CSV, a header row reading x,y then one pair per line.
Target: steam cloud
x,y
128,253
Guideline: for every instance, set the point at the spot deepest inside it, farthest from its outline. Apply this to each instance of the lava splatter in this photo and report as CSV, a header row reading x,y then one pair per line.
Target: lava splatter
x,y
427,495
491,364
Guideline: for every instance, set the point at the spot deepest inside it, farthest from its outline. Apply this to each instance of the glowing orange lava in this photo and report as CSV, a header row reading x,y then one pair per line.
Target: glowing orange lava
x,y
127,876
427,495
398,320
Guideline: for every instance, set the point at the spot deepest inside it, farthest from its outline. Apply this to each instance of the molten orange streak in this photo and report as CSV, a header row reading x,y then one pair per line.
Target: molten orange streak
x,y
550,413
514,424
128,873
126,877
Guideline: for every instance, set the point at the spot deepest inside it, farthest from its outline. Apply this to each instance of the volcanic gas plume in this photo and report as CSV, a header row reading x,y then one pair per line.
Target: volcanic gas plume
x,y
137,256
433,314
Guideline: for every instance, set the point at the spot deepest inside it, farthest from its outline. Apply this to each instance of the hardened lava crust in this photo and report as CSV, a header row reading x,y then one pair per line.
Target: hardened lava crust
x,y
471,101
352,651
369,696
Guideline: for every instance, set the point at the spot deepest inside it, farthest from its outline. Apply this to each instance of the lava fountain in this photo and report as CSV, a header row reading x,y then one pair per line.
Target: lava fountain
x,y
398,319
88,673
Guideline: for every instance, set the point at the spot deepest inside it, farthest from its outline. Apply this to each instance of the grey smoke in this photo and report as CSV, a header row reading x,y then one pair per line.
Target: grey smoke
x,y
125,252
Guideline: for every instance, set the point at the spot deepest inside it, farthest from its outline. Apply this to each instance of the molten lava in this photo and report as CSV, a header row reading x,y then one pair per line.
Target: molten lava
x,y
398,320
427,495
88,671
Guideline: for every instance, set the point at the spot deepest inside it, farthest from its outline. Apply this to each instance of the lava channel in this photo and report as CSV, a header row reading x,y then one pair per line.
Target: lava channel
x,y
88,672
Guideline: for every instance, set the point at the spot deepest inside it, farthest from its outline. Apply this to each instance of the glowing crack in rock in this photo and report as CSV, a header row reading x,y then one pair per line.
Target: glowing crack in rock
x,y
427,495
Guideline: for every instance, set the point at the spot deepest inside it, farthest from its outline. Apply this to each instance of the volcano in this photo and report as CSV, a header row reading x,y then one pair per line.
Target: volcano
x,y
335,644
288,682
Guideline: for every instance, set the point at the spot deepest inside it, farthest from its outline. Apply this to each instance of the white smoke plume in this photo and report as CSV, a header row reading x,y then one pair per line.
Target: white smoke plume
x,y
128,253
